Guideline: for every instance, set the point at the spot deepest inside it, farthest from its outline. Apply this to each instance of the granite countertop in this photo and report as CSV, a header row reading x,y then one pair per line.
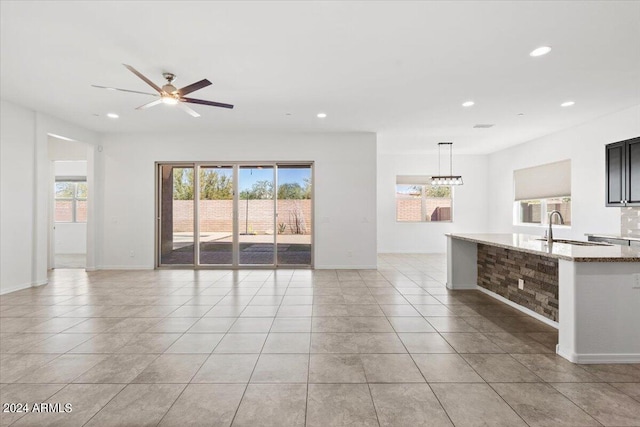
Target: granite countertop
x,y
531,244
613,236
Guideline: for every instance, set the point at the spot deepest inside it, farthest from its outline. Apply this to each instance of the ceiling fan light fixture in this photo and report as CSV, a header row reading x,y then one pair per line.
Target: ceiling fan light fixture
x,y
170,89
169,94
169,100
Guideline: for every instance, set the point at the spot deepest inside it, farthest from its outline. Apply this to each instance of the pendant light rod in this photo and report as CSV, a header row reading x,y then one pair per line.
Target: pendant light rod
x,y
446,179
439,156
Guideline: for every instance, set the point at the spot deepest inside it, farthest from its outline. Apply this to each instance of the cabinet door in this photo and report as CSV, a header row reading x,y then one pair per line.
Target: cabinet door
x,y
633,172
616,191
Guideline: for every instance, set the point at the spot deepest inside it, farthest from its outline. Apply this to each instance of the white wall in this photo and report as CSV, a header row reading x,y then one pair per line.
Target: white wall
x,y
74,169
470,205
66,150
584,145
345,195
25,178
70,238
17,181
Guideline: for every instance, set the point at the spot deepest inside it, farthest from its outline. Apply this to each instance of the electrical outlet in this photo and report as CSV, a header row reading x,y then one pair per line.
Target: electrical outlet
x,y
132,254
636,281
349,254
521,284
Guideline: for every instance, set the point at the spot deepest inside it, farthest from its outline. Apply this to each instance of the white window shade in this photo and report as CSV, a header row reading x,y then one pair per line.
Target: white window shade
x,y
544,181
413,179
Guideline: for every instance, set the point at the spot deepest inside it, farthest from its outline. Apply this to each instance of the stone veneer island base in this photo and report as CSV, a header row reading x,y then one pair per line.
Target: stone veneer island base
x,y
590,293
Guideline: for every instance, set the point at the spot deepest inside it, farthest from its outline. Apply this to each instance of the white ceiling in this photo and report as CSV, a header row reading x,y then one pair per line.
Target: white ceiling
x,y
401,69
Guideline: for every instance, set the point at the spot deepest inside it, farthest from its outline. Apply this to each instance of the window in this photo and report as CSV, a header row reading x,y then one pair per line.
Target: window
x,y
541,189
416,202
537,211
70,201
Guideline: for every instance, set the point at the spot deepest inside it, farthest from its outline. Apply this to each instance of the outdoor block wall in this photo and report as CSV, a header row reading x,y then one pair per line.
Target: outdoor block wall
x,y
64,211
499,270
410,209
217,215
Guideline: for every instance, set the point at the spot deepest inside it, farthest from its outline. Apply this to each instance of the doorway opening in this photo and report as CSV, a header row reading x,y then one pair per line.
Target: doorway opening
x,y
246,215
70,193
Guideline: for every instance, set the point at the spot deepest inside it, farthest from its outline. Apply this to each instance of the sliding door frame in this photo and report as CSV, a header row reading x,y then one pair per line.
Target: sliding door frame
x,y
196,165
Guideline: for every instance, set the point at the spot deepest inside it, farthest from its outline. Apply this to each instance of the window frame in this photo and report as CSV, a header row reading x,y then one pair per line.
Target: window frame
x,y
544,213
74,200
423,203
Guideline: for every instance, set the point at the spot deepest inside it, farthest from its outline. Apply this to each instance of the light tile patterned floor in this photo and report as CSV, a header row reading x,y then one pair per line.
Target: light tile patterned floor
x,y
390,347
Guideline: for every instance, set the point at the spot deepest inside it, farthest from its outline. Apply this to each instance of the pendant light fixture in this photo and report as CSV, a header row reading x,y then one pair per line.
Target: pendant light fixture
x,y
446,179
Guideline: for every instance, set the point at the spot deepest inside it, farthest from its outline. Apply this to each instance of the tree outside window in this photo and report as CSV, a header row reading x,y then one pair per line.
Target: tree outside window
x,y
423,203
70,201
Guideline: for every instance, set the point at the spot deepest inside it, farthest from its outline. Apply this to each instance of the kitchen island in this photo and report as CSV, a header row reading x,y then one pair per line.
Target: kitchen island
x,y
590,293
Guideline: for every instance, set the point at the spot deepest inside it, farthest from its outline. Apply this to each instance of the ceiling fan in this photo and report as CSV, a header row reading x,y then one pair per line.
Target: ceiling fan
x,y
169,94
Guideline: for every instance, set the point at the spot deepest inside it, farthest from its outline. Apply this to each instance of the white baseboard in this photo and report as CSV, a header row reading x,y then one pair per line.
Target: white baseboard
x,y
123,267
22,286
345,267
469,287
518,307
598,358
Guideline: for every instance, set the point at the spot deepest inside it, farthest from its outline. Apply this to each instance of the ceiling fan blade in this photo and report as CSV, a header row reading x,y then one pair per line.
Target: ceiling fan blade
x,y
139,74
124,90
194,87
149,104
187,110
203,102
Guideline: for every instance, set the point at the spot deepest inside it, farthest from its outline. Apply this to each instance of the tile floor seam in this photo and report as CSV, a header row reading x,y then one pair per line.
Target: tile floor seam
x,y
507,403
253,371
623,392
393,288
49,397
173,403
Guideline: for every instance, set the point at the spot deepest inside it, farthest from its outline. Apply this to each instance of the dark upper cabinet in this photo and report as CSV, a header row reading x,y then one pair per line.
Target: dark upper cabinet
x,y
623,173
633,172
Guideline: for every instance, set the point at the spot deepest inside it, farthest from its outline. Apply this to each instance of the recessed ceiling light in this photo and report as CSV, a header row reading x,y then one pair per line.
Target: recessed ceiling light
x,y
542,50
468,104
567,104
112,115
322,115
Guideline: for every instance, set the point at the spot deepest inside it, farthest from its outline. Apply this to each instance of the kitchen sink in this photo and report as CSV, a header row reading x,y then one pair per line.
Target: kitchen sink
x,y
577,242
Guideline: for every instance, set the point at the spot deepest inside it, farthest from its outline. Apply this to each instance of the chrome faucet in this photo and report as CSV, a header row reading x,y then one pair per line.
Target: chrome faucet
x,y
550,232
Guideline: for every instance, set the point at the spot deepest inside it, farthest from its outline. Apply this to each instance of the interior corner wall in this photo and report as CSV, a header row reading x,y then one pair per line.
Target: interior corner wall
x,y
585,146
344,189
470,202
25,192
17,181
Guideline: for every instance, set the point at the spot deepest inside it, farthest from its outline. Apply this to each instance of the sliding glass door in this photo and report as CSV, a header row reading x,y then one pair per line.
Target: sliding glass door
x,y
256,217
176,216
215,215
294,214
246,214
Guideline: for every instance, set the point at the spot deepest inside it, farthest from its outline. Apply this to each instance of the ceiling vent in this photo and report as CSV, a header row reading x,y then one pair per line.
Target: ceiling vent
x,y
483,126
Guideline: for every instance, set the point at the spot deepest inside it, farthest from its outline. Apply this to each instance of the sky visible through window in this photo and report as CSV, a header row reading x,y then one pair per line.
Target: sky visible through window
x,y
249,176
